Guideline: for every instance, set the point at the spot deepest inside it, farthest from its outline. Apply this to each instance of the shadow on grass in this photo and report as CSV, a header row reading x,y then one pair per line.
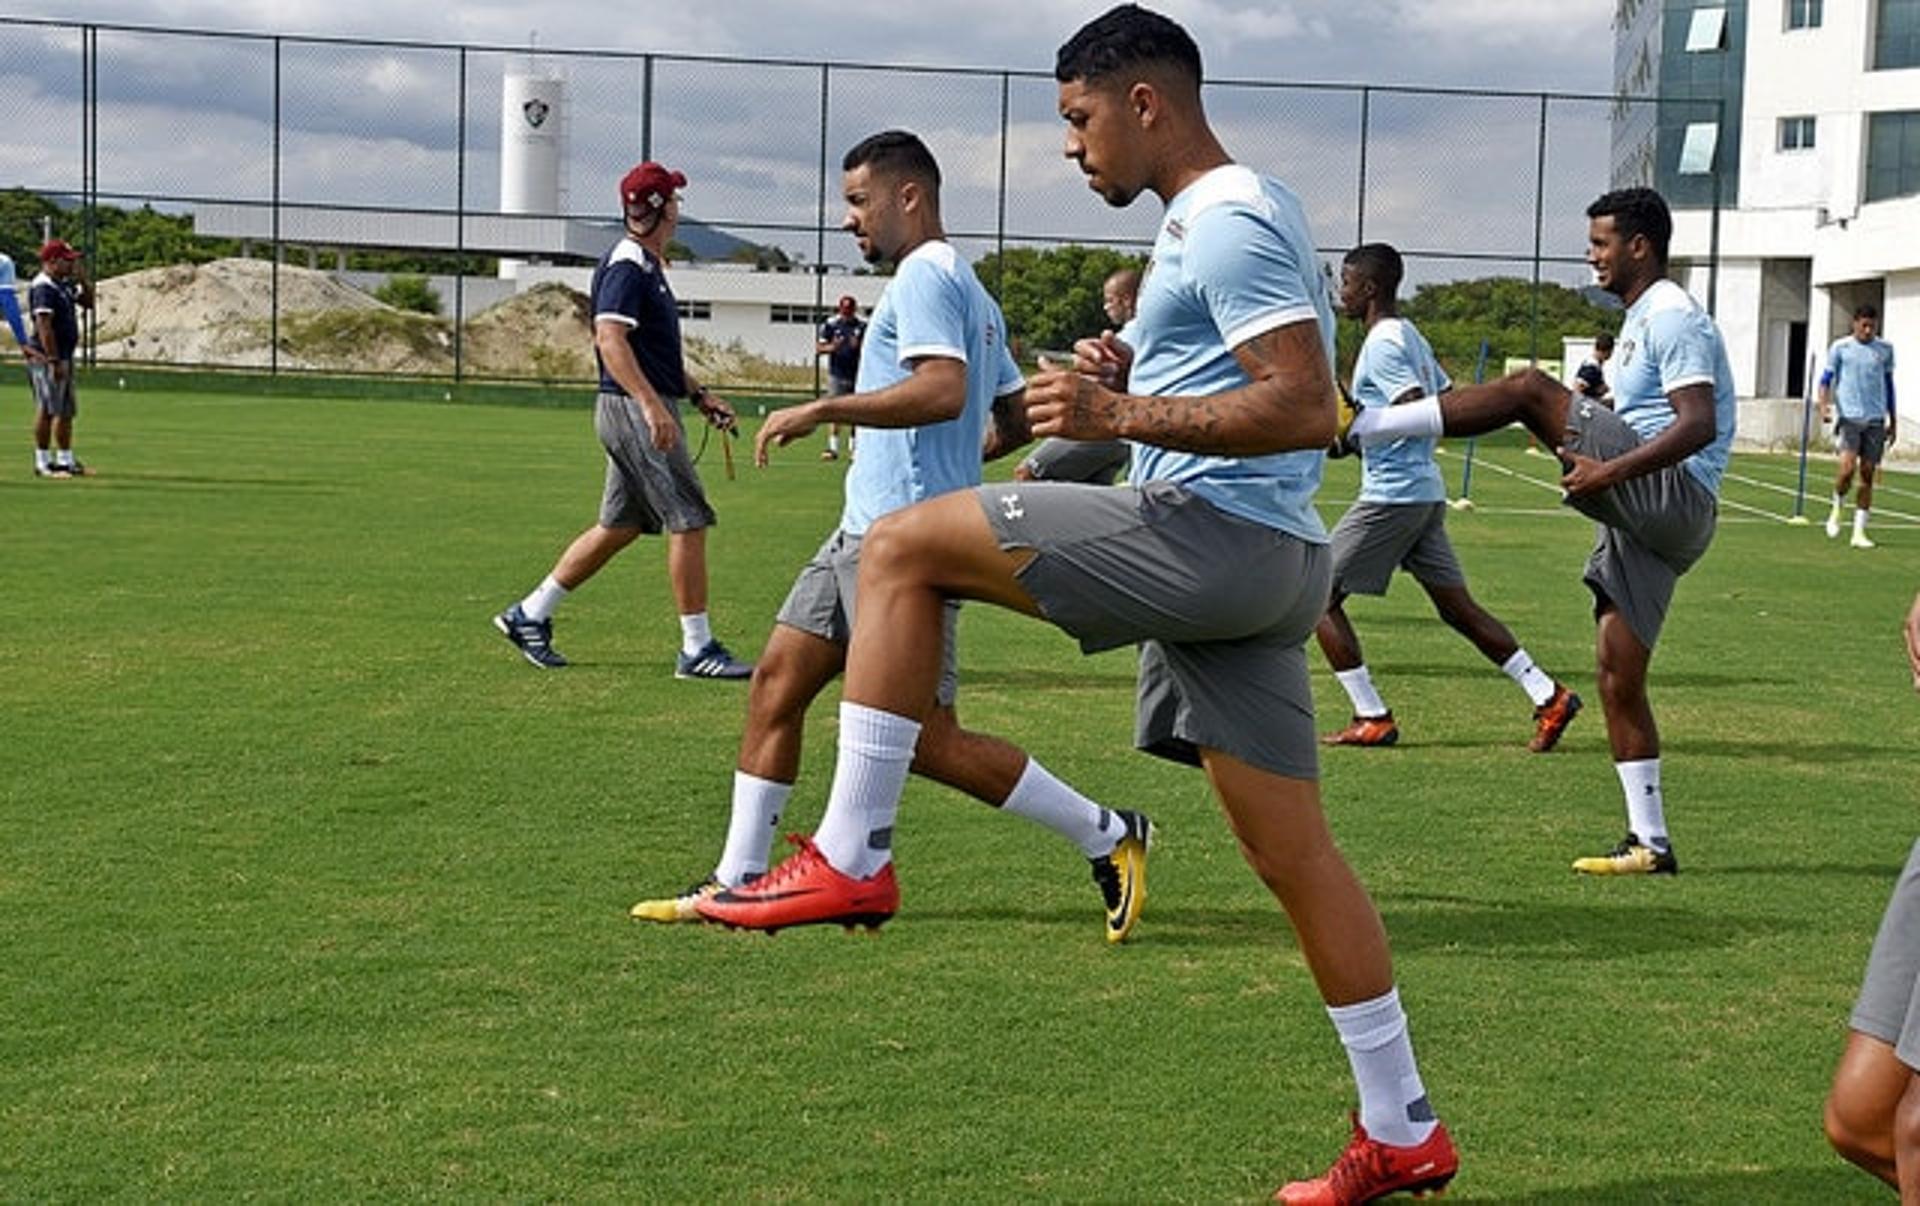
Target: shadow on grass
x,y
200,482
1838,1184
1598,932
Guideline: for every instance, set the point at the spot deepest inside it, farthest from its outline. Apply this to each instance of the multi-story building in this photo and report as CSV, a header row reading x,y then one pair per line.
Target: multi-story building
x,y
1801,118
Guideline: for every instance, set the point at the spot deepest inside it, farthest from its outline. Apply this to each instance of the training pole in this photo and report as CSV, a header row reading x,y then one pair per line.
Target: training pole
x,y
1465,501
1799,516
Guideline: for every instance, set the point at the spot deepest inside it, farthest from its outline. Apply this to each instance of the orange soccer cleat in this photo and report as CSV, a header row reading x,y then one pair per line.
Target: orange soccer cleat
x,y
1366,730
1551,719
1370,1169
805,890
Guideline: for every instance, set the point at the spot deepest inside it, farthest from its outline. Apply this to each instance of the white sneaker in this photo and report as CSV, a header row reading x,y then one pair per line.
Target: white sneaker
x,y
1833,527
1860,541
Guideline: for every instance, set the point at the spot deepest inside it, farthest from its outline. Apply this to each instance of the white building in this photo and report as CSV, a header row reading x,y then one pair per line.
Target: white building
x,y
1817,153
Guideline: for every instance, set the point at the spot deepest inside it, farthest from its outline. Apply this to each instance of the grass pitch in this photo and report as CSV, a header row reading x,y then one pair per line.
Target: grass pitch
x,y
314,890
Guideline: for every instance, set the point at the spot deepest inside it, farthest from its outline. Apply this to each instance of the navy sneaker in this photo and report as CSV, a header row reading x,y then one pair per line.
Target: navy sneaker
x,y
712,662
533,638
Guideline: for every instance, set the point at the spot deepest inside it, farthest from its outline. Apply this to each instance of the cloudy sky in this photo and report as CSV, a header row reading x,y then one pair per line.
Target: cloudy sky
x,y
190,117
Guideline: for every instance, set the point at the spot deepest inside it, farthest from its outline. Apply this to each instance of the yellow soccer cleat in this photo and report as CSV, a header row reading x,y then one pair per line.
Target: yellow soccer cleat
x,y
1631,857
1122,875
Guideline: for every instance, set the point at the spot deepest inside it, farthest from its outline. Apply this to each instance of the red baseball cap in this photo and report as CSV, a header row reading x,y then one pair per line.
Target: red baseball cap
x,y
648,186
58,249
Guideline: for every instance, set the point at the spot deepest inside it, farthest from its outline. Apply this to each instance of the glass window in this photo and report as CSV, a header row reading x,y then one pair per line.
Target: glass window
x,y
1893,155
1896,35
1803,14
1696,153
695,309
1707,31
1796,133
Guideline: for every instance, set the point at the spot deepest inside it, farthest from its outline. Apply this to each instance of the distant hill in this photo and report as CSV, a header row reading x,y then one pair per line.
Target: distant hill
x,y
709,242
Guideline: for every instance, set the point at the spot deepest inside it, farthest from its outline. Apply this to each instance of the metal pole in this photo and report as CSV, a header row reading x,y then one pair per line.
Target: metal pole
x,y
1366,121
1806,435
460,227
90,168
820,222
273,322
1000,213
1465,501
1539,227
646,107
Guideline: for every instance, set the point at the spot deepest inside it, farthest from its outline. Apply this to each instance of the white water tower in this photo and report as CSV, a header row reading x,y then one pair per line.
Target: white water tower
x,y
533,144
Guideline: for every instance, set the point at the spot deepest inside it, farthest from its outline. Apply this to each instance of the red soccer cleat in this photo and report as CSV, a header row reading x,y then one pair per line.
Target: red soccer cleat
x,y
1370,1169
805,890
1366,730
1551,719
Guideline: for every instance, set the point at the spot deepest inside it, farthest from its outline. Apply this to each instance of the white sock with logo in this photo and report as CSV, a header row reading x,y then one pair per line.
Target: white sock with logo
x,y
757,805
876,752
545,597
695,633
1646,811
1042,798
1359,685
1393,1101
1531,678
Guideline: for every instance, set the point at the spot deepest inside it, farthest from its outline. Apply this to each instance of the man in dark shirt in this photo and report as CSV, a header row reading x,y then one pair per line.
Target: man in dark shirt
x,y
55,299
651,483
1590,379
839,341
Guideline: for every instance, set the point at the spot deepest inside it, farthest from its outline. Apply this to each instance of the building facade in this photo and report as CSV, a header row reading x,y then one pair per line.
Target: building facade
x,y
1803,118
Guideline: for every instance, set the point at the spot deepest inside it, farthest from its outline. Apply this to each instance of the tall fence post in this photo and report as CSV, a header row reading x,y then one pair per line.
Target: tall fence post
x,y
1539,229
820,218
90,169
1360,209
273,319
1000,208
460,227
646,107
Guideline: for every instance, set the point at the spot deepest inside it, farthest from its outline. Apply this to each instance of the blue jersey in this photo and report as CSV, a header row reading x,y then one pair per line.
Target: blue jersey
x,y
933,307
1861,377
630,288
1233,260
9,303
58,300
1395,360
1666,343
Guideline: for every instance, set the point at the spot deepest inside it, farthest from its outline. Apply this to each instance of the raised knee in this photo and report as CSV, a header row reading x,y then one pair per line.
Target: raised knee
x,y
1858,1140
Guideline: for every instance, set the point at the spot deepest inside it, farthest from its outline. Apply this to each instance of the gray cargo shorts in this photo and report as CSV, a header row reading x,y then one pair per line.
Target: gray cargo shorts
x,y
1866,439
821,604
1889,1004
646,488
1373,539
54,401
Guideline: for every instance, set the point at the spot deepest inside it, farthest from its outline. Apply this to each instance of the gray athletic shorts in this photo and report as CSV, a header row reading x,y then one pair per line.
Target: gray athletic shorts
x,y
821,603
1866,439
1373,539
1095,462
1889,1004
836,386
646,488
1652,528
55,401
1221,608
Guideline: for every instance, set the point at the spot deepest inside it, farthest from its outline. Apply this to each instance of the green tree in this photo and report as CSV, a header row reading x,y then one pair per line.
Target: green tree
x,y
409,293
1457,315
1051,295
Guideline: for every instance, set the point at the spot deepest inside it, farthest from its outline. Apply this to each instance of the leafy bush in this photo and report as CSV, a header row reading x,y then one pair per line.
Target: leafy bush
x,y
409,293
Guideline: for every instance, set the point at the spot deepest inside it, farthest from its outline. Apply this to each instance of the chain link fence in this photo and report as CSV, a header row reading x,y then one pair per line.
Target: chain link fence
x,y
315,169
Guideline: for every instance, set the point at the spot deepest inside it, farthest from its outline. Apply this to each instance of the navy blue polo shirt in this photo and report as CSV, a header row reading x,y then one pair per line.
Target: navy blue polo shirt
x,y
630,288
48,296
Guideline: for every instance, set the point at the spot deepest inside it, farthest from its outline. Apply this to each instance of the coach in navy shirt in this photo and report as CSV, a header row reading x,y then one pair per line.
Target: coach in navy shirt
x,y
56,297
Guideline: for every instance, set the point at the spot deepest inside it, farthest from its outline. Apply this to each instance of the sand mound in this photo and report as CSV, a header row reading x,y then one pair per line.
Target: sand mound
x,y
217,313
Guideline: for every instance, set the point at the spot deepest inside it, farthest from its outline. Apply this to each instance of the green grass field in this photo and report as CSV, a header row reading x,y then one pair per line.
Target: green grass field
x,y
313,890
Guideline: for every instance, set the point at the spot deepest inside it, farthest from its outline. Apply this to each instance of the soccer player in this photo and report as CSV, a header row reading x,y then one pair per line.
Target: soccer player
x,y
1859,375
651,483
1873,1109
935,366
1401,520
839,342
1647,472
1096,461
55,298
1211,559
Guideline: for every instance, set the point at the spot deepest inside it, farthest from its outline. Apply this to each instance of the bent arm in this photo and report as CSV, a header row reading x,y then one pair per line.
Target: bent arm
x,y
933,392
1287,405
1691,430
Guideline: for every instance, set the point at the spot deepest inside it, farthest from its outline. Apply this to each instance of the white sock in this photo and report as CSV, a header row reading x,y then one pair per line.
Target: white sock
x,y
1646,812
1532,679
1838,502
1359,685
1393,1102
41,459
1041,797
833,442
1860,520
757,805
876,751
63,456
695,633
545,597
1375,424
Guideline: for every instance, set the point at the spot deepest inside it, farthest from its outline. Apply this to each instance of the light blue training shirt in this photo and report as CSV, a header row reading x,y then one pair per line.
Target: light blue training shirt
x,y
933,306
1394,359
1233,260
1861,376
1668,342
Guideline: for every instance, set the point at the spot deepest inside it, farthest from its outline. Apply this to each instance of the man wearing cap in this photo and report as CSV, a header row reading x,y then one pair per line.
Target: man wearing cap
x,y
651,484
55,299
839,342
